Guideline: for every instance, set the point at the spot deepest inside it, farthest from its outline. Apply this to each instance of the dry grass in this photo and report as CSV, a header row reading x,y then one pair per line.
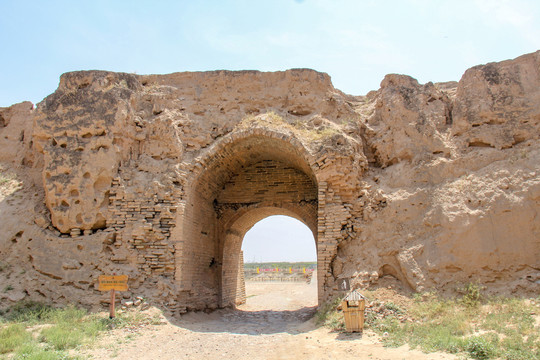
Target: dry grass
x,y
470,325
32,330
299,128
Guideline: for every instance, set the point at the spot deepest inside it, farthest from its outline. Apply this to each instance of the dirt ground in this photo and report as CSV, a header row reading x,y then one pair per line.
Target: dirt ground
x,y
275,323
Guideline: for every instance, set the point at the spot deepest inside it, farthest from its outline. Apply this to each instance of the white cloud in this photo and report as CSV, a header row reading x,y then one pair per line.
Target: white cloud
x,y
518,14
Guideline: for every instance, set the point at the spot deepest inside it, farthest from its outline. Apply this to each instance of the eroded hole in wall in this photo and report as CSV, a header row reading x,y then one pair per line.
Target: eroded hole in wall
x,y
102,183
17,236
387,269
391,277
100,147
479,143
100,222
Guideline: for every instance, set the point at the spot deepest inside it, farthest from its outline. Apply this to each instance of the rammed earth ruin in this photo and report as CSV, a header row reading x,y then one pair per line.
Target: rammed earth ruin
x,y
159,177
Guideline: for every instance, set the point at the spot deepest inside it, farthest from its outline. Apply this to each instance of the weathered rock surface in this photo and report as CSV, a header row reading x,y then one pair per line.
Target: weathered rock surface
x,y
16,125
160,176
509,94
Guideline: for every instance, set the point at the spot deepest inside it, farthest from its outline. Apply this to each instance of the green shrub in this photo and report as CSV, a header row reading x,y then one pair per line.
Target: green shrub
x,y
62,336
433,308
435,324
34,351
396,333
478,347
69,314
509,317
446,335
13,336
391,306
472,295
26,311
71,328
515,348
67,329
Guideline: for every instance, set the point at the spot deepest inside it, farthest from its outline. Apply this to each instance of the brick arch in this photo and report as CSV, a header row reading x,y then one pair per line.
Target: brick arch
x,y
240,174
232,279
290,144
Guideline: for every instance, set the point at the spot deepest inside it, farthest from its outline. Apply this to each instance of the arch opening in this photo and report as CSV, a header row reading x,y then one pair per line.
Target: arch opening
x,y
279,238
280,263
239,183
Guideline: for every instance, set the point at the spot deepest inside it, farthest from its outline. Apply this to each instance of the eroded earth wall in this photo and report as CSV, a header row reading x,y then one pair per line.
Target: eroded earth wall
x,y
159,177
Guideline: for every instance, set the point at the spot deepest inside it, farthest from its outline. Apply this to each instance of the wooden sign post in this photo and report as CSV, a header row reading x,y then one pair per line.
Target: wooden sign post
x,y
112,283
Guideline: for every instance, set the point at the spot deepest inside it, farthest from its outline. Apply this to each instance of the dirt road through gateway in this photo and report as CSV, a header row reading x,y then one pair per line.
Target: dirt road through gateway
x,y
275,323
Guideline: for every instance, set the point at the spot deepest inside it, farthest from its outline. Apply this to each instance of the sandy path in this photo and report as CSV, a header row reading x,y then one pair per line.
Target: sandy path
x,y
274,324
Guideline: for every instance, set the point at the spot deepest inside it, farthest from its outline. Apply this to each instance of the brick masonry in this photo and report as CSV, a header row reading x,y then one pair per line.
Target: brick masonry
x,y
191,232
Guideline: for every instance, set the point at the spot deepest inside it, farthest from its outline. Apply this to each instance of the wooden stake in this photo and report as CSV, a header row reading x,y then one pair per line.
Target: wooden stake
x,y
111,313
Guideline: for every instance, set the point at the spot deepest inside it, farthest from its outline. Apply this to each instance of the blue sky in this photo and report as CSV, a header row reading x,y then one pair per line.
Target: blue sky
x,y
356,42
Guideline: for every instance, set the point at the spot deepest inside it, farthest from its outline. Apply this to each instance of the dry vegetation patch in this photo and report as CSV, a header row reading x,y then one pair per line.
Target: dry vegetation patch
x,y
316,129
470,325
31,330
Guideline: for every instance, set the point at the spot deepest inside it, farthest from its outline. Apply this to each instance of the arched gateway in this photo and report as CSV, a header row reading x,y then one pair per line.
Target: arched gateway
x,y
158,177
245,178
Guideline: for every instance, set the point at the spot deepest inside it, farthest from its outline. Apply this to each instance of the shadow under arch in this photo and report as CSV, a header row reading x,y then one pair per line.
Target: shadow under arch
x,y
247,173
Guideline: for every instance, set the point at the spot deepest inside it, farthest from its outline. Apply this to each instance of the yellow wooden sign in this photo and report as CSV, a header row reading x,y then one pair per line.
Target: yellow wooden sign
x,y
112,282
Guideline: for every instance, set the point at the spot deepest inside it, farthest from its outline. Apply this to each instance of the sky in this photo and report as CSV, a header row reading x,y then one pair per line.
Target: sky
x,y
279,238
357,42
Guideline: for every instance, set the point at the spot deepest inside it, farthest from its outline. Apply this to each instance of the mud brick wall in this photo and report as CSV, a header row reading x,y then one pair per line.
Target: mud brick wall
x,y
268,180
241,288
143,224
160,177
